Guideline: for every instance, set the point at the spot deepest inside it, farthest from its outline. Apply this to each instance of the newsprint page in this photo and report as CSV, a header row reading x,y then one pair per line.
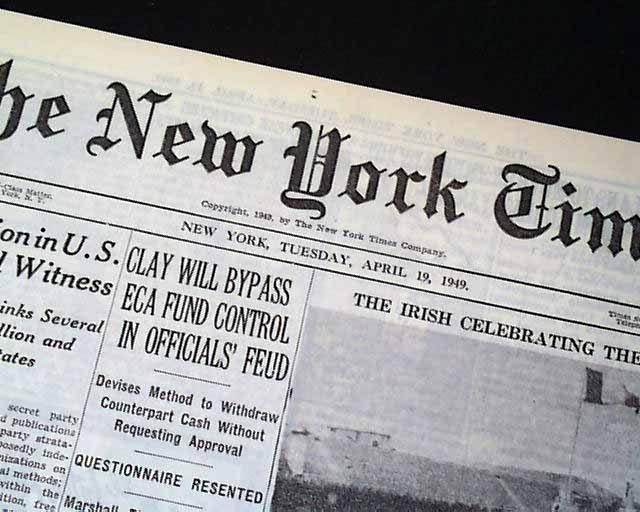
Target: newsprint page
x,y
225,287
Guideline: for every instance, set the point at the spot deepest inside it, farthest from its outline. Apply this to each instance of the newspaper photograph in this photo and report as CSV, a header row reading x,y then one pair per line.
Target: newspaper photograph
x,y
227,287
489,428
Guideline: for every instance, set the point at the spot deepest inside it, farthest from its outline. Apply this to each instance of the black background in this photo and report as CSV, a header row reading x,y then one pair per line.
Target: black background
x,y
573,66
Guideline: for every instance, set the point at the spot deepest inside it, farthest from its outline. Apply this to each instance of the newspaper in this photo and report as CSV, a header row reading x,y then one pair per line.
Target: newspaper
x,y
226,287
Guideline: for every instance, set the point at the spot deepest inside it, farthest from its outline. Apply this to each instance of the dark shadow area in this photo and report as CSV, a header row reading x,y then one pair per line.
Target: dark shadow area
x,y
573,66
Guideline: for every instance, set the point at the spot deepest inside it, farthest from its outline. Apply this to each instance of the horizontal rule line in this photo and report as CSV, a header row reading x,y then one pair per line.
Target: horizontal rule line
x,y
164,500
338,272
192,378
151,454
335,244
